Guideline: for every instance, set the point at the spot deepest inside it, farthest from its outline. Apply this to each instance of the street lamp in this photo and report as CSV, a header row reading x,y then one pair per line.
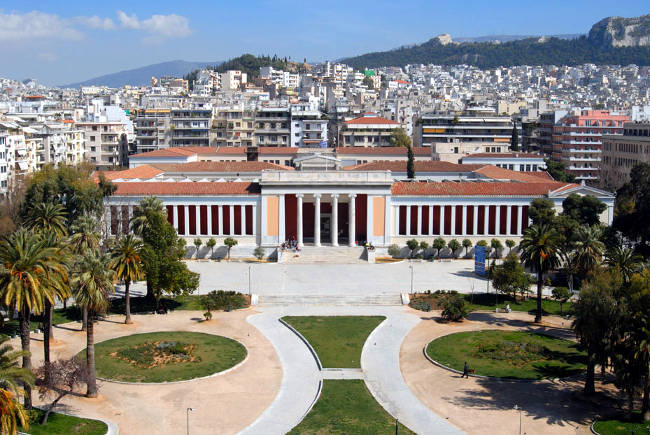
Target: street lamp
x,y
188,419
518,408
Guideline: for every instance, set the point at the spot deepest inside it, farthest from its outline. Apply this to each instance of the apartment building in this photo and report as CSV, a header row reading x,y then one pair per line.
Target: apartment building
x,y
233,126
106,144
152,129
281,78
272,126
368,130
622,152
547,121
190,127
232,80
577,141
308,127
454,135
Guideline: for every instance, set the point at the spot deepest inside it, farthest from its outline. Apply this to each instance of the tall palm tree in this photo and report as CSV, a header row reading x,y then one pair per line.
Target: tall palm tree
x,y
540,251
127,264
12,376
29,268
93,285
145,208
588,249
11,413
47,216
84,235
624,259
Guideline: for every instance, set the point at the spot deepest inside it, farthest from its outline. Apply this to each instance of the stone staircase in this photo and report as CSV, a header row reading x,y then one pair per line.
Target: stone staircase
x,y
332,300
327,254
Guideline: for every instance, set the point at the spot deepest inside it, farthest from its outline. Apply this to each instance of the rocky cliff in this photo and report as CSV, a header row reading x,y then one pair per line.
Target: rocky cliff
x,y
621,32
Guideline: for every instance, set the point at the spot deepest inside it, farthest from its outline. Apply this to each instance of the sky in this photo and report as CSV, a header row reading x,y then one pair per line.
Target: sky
x,y
59,42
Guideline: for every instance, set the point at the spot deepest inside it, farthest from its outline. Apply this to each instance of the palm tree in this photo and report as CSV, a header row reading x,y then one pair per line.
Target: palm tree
x,y
84,235
588,251
127,264
47,217
92,286
540,251
624,259
12,376
11,413
145,208
29,268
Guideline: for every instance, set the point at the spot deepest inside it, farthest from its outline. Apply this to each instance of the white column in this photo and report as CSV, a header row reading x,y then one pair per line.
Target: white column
x,y
187,220
497,221
334,227
351,217
475,221
119,220
231,209
299,219
255,220
509,220
197,216
209,212
520,210
463,230
242,218
430,220
486,220
108,218
408,220
129,214
453,220
175,216
397,220
317,219
442,220
220,215
419,231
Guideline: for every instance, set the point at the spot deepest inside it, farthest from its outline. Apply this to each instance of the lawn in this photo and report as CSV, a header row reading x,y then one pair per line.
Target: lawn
x,y
338,340
347,407
509,354
622,427
65,425
490,301
165,356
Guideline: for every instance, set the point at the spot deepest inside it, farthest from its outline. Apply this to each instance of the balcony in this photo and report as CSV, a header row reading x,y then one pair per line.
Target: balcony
x,y
577,168
573,150
582,159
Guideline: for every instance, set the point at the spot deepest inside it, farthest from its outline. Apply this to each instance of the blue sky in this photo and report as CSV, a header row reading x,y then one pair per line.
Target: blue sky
x,y
61,42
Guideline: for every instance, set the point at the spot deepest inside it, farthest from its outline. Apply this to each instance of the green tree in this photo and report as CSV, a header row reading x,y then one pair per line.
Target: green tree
x,y
424,247
259,253
413,245
197,243
482,243
496,245
439,244
588,251
399,138
540,252
84,235
28,278
47,218
454,246
92,286
229,242
514,139
126,262
510,244
542,211
557,170
624,260
394,251
410,164
632,209
585,210
510,277
467,243
12,376
147,207
211,243
367,81
562,295
453,307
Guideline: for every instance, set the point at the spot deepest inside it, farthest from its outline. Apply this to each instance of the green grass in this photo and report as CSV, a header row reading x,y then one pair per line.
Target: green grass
x,y
65,425
622,427
509,354
490,301
338,340
346,407
212,354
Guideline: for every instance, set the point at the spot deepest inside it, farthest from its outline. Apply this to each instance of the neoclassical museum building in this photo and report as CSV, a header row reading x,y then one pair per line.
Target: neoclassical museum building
x,y
322,201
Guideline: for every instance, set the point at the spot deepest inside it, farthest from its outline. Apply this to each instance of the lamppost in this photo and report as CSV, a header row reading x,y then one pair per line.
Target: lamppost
x,y
518,408
188,419
249,280
411,267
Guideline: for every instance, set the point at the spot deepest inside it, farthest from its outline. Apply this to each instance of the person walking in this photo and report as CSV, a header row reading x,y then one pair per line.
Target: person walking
x,y
465,371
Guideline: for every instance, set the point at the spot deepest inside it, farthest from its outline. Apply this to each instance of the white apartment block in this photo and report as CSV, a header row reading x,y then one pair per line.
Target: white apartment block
x,y
232,80
308,127
152,130
106,144
282,78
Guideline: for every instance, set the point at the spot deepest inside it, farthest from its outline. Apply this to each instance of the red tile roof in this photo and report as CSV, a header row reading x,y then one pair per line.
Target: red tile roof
x,y
229,150
505,174
370,120
137,188
220,167
166,152
540,174
471,188
144,171
418,151
278,150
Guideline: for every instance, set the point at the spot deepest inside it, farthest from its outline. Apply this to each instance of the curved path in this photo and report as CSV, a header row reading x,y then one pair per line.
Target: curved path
x,y
379,362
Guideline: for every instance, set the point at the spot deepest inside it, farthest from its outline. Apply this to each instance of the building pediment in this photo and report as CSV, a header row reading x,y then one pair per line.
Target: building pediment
x,y
581,190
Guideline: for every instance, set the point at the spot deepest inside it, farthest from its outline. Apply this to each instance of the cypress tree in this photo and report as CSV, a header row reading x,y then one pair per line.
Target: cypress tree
x,y
410,165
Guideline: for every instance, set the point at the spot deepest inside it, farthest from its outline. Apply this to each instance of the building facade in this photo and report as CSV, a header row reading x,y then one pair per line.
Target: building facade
x,y
622,152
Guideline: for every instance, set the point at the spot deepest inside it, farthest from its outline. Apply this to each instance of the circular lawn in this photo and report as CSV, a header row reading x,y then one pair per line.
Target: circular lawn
x,y
509,354
165,356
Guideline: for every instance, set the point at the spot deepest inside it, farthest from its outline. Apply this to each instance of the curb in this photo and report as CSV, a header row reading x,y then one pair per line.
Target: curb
x,y
304,340
591,428
111,428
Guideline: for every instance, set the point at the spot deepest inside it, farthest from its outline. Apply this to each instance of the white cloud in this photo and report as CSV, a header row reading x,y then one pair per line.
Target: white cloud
x,y
168,26
96,22
35,25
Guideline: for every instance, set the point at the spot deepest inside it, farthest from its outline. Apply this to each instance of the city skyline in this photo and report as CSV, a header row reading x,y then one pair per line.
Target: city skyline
x,y
62,44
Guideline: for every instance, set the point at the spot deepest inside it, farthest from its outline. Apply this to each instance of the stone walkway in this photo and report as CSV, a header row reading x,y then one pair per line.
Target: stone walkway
x,y
379,362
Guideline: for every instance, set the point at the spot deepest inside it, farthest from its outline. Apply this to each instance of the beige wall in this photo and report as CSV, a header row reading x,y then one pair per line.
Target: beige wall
x,y
378,216
272,216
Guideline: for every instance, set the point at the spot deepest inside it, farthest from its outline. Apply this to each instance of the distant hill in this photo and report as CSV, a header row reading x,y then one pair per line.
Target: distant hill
x,y
508,38
142,76
613,41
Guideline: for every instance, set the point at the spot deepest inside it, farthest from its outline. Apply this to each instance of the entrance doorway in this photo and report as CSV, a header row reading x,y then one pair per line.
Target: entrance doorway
x,y
325,227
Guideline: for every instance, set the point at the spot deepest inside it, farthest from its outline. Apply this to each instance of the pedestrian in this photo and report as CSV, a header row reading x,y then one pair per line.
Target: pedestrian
x,y
465,371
